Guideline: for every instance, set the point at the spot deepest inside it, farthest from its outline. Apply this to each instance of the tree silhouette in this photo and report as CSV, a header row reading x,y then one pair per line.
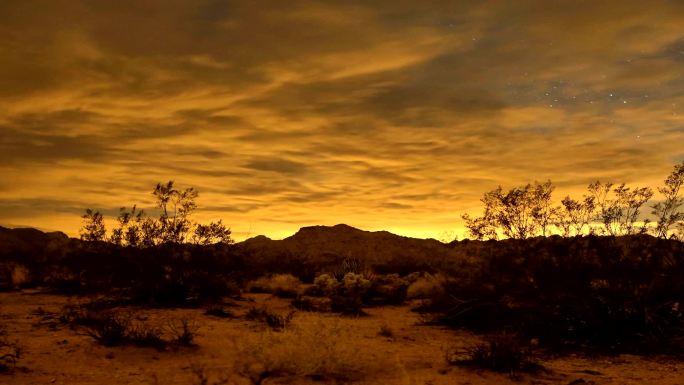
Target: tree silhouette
x,y
543,212
93,229
667,212
214,232
573,216
619,207
129,232
519,213
176,206
136,229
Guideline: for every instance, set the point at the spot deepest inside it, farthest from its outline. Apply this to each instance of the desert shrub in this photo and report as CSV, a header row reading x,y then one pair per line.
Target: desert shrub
x,y
326,284
14,276
500,353
309,303
350,297
143,334
314,347
110,328
183,331
64,281
387,289
350,265
425,287
275,321
281,285
609,294
346,296
80,315
10,352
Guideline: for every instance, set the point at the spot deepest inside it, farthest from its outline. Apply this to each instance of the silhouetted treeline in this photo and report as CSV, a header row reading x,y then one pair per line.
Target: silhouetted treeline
x,y
607,209
173,225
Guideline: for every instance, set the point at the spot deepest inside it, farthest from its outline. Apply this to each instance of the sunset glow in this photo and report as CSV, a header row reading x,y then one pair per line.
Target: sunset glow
x,y
394,116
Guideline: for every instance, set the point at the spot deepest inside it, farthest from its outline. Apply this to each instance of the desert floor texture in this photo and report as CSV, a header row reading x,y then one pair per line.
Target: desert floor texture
x,y
230,349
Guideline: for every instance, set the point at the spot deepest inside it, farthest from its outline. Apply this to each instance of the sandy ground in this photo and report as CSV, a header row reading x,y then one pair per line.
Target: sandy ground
x,y
414,355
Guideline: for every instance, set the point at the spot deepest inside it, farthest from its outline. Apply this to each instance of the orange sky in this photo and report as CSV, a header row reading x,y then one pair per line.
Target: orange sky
x,y
391,115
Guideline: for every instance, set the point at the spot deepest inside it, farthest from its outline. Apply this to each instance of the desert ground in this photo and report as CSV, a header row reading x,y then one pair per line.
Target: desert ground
x,y
387,346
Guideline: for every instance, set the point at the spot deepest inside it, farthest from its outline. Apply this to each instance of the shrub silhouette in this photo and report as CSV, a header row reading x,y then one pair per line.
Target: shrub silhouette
x,y
500,353
318,348
275,321
183,331
281,285
614,294
112,328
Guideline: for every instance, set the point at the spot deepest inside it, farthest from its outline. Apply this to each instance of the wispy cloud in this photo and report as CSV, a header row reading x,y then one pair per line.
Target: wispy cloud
x,y
384,116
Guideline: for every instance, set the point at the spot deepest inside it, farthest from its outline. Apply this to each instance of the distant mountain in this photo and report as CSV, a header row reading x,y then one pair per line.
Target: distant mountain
x,y
342,241
319,243
28,241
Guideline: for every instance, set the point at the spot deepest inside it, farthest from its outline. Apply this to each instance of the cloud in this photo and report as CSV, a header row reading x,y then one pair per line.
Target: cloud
x,y
394,115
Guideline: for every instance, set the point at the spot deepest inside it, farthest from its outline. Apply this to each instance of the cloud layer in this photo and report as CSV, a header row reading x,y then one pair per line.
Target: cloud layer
x,y
389,116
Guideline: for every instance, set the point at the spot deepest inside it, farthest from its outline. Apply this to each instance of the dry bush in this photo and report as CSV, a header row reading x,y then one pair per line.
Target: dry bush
x,y
281,285
183,331
10,352
309,303
316,347
115,328
500,353
111,328
346,295
274,320
387,289
427,286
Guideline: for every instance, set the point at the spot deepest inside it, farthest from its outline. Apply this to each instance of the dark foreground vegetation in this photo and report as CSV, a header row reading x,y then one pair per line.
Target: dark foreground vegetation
x,y
619,294
607,283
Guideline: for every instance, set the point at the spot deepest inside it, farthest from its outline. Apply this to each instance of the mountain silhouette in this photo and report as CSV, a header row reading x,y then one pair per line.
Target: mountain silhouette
x,y
344,241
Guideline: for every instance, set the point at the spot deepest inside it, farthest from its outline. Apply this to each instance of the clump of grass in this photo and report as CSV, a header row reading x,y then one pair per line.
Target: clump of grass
x,y
183,331
10,352
275,321
281,285
144,335
502,353
116,328
110,328
315,347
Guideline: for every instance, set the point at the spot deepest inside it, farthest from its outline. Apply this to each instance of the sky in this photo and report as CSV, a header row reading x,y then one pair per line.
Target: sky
x,y
384,115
